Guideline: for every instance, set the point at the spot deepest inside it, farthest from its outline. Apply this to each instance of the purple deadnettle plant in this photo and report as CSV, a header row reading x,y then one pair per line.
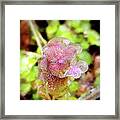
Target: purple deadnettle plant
x,y
58,65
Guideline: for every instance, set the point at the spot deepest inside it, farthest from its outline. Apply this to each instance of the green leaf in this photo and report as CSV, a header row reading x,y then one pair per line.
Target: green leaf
x,y
33,74
25,88
38,50
97,81
74,86
84,44
72,98
93,38
52,28
67,96
62,30
65,32
27,61
83,27
73,23
86,56
36,97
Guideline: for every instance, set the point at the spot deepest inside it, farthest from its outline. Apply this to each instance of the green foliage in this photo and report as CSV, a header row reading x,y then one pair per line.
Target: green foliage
x,y
85,44
65,32
27,61
79,26
73,23
72,30
25,88
93,38
97,81
33,74
35,96
74,86
67,96
38,50
86,56
72,98
52,28
84,26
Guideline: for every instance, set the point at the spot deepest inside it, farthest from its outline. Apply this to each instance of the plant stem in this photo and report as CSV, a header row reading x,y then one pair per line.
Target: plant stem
x,y
41,38
35,33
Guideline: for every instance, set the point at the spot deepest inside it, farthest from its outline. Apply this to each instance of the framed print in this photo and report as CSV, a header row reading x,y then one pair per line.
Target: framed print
x,y
60,59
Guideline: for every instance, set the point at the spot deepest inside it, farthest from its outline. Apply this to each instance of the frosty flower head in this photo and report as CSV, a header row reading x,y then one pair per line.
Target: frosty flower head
x,y
60,59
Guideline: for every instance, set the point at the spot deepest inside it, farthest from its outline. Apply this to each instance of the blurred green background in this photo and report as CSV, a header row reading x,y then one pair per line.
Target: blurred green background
x,y
83,32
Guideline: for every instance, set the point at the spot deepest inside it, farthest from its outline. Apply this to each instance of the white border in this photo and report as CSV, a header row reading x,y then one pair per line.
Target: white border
x,y
104,13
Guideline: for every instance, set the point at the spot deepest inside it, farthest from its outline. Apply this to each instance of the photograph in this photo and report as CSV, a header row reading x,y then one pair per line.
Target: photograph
x,y
59,59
